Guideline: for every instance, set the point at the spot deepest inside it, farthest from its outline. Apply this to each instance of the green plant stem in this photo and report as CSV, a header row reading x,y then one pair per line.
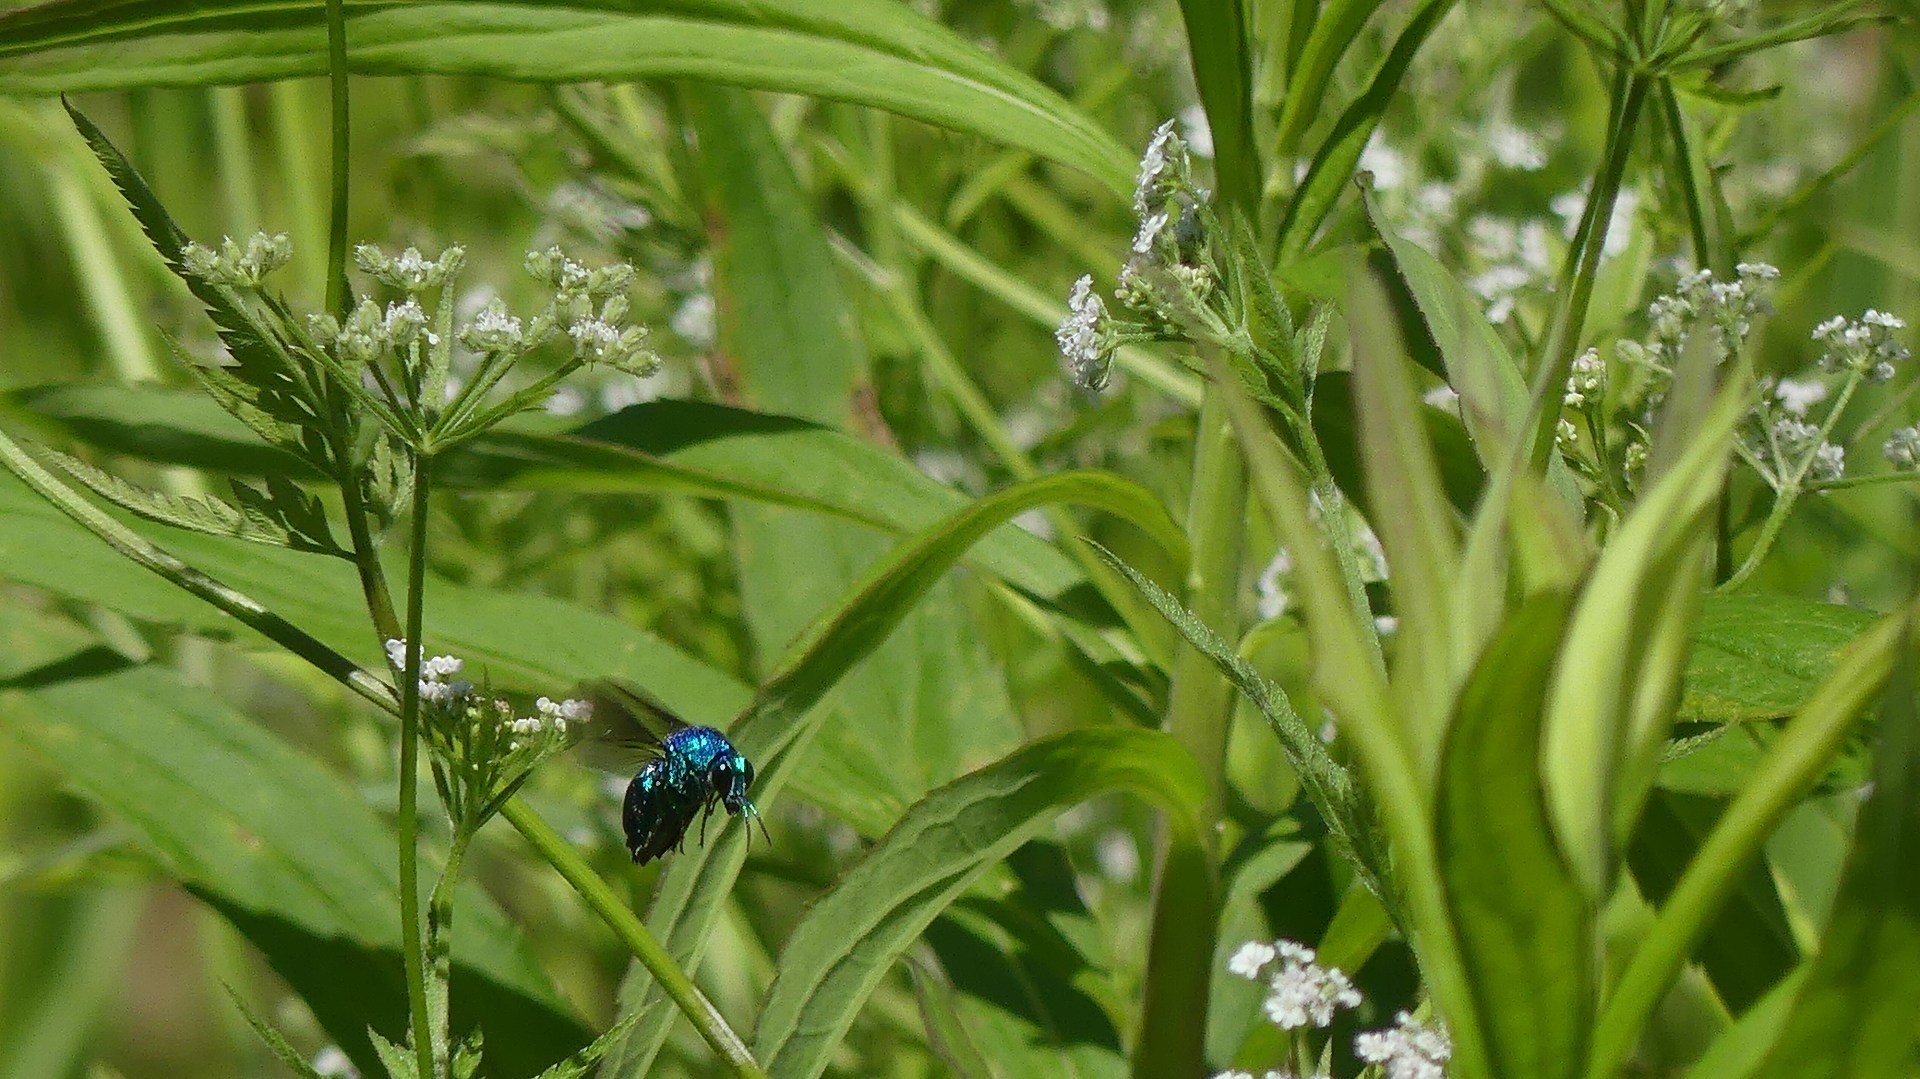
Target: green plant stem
x,y
1563,340
412,956
601,900
1804,750
440,939
337,291
1791,487
1186,889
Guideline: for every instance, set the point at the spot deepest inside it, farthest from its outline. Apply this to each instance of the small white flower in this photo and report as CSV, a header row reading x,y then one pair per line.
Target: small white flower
x,y
1902,449
1150,229
1251,958
1163,148
1516,148
1407,1050
1798,395
1829,462
1302,993
1082,336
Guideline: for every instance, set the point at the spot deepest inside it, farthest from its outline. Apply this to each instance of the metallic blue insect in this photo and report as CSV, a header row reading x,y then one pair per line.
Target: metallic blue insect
x,y
691,772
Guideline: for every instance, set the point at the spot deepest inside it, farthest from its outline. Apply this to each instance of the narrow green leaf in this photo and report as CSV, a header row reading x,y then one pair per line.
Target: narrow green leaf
x,y
1335,25
1624,652
523,641
851,937
285,852
869,52
1223,68
1415,525
259,518
1526,929
1750,946
1327,781
947,1033
1333,163
1854,1015
179,427
777,728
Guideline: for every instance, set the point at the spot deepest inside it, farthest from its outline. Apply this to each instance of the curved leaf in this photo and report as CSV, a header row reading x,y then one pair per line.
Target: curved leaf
x,y
776,730
869,52
851,937
287,853
1526,930
524,641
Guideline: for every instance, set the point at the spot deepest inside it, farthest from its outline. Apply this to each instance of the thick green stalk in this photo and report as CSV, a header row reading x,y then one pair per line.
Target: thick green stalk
x,y
412,956
1563,341
601,900
1186,889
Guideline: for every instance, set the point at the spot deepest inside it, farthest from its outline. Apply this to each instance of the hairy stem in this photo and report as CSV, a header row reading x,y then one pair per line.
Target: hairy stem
x,y
411,953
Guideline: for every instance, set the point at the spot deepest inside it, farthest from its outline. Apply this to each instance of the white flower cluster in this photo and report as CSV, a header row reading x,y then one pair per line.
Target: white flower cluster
x,y
1586,380
372,332
1516,257
1865,344
1300,992
1085,337
409,271
1270,1073
1729,306
1407,1050
435,674
1902,449
236,266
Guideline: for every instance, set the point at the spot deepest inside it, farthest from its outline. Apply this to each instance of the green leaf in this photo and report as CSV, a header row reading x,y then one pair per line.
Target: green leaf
x,y
1327,782
276,1042
1526,929
1335,25
1805,749
1416,526
777,729
285,852
1611,708
1854,1015
931,703
1223,68
523,641
869,52
1333,163
178,427
287,518
851,937
1750,946
947,1034
1759,656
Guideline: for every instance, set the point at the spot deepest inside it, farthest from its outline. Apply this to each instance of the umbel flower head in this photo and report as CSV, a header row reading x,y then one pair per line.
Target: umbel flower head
x,y
398,357
1407,1050
1300,992
483,747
